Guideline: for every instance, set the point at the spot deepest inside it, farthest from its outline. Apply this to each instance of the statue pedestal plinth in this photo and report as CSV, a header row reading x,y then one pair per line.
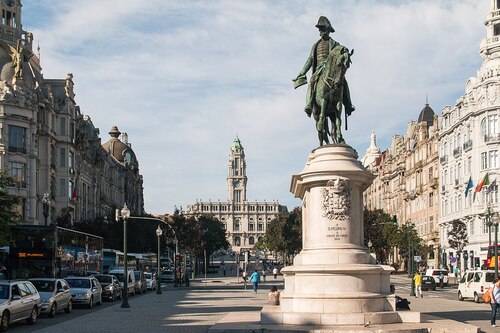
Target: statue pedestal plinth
x,y
334,280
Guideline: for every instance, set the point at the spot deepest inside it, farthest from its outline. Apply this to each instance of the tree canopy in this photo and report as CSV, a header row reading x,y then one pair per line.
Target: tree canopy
x,y
8,208
284,234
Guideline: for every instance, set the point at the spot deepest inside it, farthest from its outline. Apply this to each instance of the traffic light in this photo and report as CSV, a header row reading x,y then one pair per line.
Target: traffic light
x,y
394,221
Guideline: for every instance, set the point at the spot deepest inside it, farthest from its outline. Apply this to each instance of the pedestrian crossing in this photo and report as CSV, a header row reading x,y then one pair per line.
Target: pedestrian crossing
x,y
404,290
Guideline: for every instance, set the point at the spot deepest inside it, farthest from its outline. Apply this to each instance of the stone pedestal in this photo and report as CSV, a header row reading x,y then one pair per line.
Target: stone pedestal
x,y
334,280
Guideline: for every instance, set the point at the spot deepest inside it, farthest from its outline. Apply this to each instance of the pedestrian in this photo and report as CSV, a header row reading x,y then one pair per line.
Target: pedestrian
x,y
255,279
264,275
274,296
495,300
186,276
418,284
244,276
441,279
401,303
275,272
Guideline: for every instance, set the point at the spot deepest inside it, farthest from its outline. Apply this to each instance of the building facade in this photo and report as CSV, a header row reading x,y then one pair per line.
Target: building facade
x,y
245,222
469,143
47,146
406,183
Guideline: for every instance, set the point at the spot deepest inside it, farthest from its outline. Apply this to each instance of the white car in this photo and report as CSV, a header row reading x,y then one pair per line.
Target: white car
x,y
436,273
474,284
150,280
19,300
55,295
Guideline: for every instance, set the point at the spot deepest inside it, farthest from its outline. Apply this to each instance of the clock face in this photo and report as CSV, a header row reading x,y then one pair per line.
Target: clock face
x,y
9,3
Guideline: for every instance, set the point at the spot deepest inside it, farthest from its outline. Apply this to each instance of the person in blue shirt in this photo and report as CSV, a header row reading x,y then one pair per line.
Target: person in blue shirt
x,y
255,279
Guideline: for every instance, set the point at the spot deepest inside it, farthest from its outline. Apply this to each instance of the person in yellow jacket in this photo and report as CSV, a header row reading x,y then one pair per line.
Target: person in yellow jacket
x,y
418,284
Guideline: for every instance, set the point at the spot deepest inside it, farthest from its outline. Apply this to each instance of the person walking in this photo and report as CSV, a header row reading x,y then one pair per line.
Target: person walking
x,y
264,274
255,279
418,284
495,300
275,272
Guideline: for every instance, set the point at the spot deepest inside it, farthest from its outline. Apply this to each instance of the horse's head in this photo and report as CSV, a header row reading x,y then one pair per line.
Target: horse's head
x,y
337,63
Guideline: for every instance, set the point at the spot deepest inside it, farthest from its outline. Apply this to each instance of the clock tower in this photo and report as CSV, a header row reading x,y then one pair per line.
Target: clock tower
x,y
237,176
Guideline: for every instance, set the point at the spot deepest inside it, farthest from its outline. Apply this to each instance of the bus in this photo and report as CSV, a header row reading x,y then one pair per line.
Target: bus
x,y
52,251
144,261
490,257
113,259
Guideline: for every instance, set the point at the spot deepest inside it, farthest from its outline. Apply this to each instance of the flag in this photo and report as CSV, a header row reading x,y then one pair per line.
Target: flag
x,y
469,186
484,181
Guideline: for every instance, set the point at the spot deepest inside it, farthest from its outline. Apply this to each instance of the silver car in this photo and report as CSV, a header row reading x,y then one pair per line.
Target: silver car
x,y
85,290
19,300
55,295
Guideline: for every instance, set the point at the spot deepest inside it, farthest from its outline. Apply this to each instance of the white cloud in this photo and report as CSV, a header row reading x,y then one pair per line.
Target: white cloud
x,y
183,78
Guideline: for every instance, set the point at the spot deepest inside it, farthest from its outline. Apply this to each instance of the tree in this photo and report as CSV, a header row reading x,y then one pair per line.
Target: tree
x,y
284,234
8,205
457,236
381,232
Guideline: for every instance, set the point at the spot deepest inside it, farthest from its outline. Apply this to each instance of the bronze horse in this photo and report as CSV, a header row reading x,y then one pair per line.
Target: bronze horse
x,y
327,99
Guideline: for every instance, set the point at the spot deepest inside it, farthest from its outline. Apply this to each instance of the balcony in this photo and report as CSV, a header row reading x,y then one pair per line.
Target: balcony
x,y
443,159
467,145
21,150
492,138
434,182
457,152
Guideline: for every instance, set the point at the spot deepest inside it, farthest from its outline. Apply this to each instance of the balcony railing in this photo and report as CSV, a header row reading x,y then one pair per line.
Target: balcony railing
x,y
457,152
468,145
492,138
21,150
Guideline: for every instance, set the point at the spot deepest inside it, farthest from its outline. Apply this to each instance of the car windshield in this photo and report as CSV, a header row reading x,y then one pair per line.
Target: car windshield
x,y
4,291
43,285
79,283
119,276
103,278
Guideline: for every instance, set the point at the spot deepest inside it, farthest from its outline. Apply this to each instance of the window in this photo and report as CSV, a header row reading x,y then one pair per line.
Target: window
x,y
62,186
237,241
493,159
235,166
251,241
251,226
469,164
71,160
431,199
17,139
71,190
18,172
236,225
63,126
471,228
484,161
62,157
260,227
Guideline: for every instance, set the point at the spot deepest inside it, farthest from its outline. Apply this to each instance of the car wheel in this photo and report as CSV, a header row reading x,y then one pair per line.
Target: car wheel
x,y
69,308
52,312
32,319
477,299
460,297
91,303
4,322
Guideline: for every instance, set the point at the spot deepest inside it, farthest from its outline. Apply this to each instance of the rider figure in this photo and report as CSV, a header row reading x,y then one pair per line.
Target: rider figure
x,y
316,60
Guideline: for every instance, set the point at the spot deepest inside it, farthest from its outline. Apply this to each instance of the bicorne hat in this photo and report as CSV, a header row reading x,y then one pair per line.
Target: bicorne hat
x,y
323,22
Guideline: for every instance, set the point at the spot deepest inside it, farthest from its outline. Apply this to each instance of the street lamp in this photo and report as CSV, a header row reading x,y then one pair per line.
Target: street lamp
x,y
488,214
159,232
496,220
46,204
125,214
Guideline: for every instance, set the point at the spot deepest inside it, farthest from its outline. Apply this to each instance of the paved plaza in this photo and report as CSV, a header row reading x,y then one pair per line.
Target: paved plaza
x,y
219,300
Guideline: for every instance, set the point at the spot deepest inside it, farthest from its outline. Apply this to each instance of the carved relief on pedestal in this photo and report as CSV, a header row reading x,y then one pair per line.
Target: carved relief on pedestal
x,y
336,200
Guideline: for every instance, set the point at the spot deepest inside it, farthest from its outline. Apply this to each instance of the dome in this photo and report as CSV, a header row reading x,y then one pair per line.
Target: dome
x,y
119,150
427,115
237,144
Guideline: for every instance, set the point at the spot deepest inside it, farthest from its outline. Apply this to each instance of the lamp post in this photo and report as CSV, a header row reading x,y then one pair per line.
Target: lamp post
x,y
125,214
496,219
159,232
46,204
176,263
489,222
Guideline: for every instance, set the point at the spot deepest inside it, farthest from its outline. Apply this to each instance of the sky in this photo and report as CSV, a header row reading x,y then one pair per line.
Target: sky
x,y
185,78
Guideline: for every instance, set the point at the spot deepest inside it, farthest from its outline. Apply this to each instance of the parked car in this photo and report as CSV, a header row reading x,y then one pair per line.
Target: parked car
x,y
118,272
428,283
150,280
55,295
436,273
140,282
111,288
85,290
19,300
474,284
167,276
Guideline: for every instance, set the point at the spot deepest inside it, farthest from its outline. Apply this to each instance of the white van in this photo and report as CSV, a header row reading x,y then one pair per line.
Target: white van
x,y
118,272
435,273
474,284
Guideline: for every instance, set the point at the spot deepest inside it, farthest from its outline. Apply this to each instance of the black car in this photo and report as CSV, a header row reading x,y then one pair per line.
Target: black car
x,y
111,288
428,283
